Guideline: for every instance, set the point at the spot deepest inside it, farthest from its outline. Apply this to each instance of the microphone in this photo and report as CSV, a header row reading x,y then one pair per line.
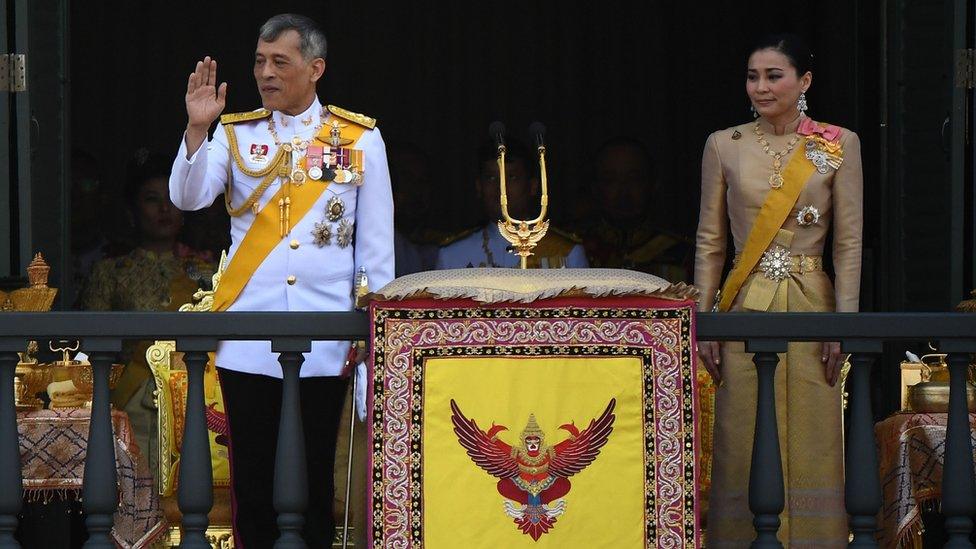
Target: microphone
x,y
538,131
497,132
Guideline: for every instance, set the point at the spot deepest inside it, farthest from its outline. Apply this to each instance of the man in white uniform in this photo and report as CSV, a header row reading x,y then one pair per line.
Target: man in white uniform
x,y
311,206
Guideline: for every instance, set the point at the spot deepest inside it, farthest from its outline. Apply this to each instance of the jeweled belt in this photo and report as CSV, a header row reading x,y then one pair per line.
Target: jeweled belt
x,y
778,264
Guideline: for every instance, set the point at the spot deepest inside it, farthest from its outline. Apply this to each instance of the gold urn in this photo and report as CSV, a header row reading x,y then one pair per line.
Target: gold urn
x,y
67,383
931,395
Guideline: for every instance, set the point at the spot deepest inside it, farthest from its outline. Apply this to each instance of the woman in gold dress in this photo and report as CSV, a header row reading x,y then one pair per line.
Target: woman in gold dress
x,y
780,183
159,274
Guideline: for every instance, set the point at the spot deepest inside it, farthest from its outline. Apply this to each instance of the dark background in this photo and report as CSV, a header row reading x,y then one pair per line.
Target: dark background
x,y
668,73
435,75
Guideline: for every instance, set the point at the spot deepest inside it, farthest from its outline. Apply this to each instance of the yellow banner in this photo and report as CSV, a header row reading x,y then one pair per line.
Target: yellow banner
x,y
601,505
772,215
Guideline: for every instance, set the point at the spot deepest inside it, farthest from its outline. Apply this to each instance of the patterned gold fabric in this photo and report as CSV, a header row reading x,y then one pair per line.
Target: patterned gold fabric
x,y
144,281
52,449
912,452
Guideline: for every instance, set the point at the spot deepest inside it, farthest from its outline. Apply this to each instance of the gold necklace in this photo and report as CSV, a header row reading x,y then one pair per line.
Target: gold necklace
x,y
775,180
298,143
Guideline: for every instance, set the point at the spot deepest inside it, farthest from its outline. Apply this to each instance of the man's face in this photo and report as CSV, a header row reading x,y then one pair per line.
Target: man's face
x,y
286,80
623,183
521,189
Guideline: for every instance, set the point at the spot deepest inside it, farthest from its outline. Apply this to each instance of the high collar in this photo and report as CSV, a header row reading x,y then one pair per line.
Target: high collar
x,y
790,128
298,124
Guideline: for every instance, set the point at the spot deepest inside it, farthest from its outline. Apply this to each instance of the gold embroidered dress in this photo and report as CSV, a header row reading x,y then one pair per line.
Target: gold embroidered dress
x,y
143,280
736,179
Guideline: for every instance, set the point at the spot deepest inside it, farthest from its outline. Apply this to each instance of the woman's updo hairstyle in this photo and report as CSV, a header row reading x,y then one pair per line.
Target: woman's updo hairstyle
x,y
791,46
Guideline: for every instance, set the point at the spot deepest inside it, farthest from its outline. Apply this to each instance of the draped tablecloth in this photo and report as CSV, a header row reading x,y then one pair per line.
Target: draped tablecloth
x,y
911,450
535,409
53,445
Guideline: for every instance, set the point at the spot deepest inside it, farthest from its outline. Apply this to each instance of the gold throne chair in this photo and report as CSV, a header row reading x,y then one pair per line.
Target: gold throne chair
x,y
169,373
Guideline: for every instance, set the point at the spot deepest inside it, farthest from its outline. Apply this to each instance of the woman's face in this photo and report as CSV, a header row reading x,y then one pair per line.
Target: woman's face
x,y
157,217
773,84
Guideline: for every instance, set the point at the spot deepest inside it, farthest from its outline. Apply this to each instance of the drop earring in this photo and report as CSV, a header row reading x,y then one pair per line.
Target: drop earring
x,y
752,108
801,103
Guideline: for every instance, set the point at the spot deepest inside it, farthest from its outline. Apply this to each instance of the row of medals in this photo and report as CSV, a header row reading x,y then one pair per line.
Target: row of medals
x,y
341,174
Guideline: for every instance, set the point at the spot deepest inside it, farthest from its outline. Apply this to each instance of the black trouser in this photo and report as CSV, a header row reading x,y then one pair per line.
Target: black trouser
x,y
253,405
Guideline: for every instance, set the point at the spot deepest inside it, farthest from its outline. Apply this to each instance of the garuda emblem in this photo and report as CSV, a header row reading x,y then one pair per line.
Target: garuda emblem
x,y
533,477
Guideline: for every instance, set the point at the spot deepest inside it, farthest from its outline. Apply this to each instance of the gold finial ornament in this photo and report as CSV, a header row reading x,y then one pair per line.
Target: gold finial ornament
x,y
522,234
37,272
37,296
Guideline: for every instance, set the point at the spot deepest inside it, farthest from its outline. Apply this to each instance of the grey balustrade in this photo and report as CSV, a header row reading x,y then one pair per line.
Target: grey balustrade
x,y
290,475
10,481
195,469
766,499
100,493
958,492
291,333
862,487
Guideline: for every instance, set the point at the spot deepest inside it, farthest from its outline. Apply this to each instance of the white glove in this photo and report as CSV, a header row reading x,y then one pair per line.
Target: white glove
x,y
360,396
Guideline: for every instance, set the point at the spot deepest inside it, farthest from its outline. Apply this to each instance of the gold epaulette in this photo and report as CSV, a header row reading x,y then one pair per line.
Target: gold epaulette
x,y
566,234
237,117
451,239
353,117
557,243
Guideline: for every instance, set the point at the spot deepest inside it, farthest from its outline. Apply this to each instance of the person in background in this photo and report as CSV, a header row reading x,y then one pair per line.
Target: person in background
x,y
159,274
413,191
625,233
483,245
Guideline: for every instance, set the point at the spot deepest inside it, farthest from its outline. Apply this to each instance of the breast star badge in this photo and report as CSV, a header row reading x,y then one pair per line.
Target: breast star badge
x,y
344,233
335,209
322,234
808,216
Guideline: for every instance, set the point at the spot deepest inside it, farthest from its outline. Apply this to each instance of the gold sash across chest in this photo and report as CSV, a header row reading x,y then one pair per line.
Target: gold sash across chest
x,y
274,220
775,209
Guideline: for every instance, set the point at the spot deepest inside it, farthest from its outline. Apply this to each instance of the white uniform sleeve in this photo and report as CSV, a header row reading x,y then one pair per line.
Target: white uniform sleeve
x,y
374,215
196,182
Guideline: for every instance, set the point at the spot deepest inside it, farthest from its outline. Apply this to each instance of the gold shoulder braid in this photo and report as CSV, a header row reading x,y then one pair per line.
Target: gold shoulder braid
x,y
282,158
354,117
235,117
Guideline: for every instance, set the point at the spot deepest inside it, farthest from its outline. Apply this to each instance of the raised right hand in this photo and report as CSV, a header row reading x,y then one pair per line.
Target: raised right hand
x,y
204,101
711,355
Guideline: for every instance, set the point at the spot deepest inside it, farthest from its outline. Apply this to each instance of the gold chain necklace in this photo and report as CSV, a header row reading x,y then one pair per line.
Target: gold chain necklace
x,y
299,145
296,142
775,180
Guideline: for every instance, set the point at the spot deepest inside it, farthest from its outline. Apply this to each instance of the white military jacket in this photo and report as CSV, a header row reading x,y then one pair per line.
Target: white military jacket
x,y
488,248
298,274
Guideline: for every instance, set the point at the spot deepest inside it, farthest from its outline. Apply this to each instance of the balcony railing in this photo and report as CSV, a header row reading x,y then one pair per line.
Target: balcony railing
x,y
291,334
